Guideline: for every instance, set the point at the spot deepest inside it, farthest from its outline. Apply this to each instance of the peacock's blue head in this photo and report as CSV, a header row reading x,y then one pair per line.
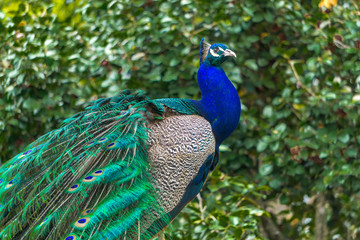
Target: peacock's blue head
x,y
214,54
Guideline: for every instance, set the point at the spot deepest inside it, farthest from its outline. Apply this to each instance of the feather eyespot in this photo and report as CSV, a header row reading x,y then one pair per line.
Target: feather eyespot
x,y
89,179
90,144
111,145
25,153
124,113
87,212
45,220
101,140
98,173
1,180
72,236
9,184
82,222
73,187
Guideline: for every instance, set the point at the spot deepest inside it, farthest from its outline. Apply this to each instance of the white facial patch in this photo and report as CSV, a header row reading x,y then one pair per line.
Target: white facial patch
x,y
212,52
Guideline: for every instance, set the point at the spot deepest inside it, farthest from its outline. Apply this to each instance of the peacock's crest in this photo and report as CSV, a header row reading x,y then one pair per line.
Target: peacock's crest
x,y
204,49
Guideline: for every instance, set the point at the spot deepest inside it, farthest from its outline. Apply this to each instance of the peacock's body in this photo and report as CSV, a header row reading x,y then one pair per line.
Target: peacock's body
x,y
123,168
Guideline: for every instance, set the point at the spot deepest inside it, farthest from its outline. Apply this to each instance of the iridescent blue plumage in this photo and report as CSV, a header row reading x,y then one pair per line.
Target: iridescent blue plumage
x,y
123,168
223,115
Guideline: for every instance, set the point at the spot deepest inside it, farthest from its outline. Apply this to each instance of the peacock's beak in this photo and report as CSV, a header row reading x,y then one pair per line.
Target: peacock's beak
x,y
229,53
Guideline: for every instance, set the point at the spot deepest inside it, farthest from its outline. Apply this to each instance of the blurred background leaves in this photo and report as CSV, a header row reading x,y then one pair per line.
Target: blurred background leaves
x,y
295,153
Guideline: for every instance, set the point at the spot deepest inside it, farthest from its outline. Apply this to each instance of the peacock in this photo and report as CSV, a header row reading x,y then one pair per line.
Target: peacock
x,y
125,166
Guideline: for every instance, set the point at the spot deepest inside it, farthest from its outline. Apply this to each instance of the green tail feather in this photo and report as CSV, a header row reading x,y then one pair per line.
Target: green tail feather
x,y
88,179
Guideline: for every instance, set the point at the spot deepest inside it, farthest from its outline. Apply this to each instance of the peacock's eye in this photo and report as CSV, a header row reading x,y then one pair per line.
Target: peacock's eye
x,y
216,49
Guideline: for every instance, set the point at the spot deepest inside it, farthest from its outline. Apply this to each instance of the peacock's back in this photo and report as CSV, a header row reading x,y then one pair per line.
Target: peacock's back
x,y
125,167
179,147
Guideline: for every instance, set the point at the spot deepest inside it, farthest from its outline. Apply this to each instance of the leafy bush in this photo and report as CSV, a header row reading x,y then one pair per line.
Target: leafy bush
x,y
297,73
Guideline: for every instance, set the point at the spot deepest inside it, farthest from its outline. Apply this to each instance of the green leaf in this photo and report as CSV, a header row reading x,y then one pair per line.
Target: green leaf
x,y
13,73
280,128
344,137
275,183
137,56
268,111
351,152
251,63
266,169
261,146
31,104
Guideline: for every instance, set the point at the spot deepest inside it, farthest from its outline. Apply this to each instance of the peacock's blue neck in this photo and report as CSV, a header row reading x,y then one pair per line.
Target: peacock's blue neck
x,y
220,103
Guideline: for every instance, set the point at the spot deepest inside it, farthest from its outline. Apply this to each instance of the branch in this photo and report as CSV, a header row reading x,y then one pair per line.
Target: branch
x,y
269,227
201,207
321,230
299,83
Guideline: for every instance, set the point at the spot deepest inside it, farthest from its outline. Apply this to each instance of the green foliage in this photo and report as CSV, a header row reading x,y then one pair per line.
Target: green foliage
x,y
297,73
226,211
